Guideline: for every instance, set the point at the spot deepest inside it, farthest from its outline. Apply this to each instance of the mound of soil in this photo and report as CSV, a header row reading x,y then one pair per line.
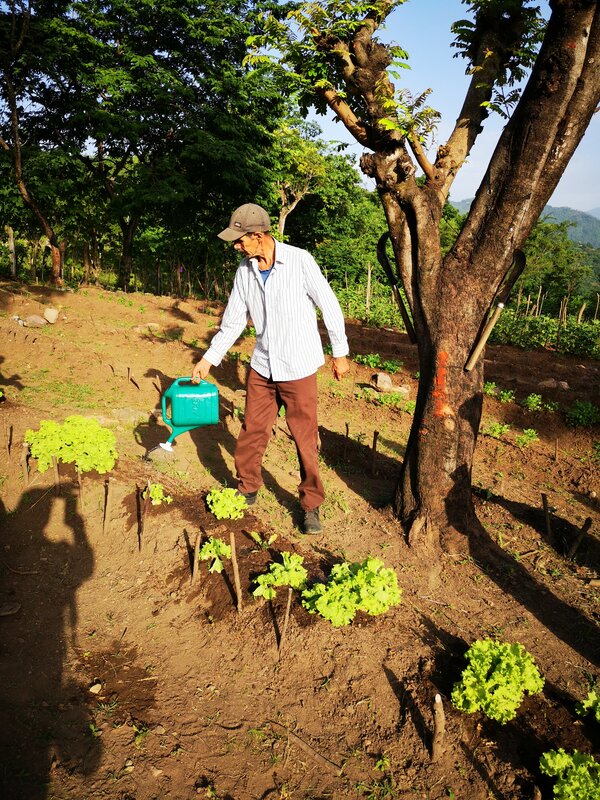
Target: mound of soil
x,y
126,674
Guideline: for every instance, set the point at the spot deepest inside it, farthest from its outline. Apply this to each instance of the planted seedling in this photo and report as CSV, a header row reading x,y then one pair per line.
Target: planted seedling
x,y
529,436
591,705
577,774
496,679
367,586
214,550
226,503
290,572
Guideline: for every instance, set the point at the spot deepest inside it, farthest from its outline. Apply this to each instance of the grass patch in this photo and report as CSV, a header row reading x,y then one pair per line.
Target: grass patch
x,y
62,393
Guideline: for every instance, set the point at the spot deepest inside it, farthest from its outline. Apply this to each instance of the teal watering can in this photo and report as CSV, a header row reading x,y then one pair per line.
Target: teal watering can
x,y
192,405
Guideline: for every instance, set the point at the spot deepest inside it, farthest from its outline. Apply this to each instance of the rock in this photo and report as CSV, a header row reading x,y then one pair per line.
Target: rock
x,y
95,688
382,382
550,383
34,321
563,385
51,315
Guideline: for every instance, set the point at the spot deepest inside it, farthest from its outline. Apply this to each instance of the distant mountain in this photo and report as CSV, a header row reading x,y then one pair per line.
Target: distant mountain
x,y
585,228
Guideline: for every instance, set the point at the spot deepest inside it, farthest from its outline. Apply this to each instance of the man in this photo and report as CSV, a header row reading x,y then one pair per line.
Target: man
x,y
278,287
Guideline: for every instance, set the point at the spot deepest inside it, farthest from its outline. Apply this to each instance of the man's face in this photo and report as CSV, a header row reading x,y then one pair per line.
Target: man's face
x,y
248,244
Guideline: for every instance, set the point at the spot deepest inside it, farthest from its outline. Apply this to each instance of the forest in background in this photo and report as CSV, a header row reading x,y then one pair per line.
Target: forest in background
x,y
127,139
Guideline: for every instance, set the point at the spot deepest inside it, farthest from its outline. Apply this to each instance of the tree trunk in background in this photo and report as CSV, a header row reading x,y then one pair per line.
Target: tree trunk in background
x,y
128,228
12,251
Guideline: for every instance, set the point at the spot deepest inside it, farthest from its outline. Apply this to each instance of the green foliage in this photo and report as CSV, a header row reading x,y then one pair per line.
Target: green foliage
x,y
582,414
529,436
392,366
226,503
290,572
156,494
496,679
591,704
367,586
489,388
532,333
78,440
506,396
214,550
533,402
496,429
372,360
577,774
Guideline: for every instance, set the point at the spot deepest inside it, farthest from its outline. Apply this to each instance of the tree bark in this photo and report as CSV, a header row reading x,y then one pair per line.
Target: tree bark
x,y
128,228
12,252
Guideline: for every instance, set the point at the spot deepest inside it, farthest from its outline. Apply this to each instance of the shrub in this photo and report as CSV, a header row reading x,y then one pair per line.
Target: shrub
x,y
582,414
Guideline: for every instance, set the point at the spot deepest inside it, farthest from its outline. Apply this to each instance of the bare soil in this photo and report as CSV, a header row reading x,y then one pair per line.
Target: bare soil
x,y
123,678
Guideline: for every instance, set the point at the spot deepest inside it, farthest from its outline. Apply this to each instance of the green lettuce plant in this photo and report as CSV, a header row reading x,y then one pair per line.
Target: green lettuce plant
x,y
367,586
577,774
214,550
78,440
591,705
226,503
496,679
155,492
290,572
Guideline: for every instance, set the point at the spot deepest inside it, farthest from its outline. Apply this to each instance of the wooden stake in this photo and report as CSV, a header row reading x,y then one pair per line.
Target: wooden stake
x,y
547,517
236,572
80,483
25,462
374,452
8,430
579,538
56,476
285,621
108,505
346,440
439,728
195,556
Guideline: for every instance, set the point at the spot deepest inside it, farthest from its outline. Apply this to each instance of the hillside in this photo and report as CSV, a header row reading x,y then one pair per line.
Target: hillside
x,y
129,675
585,228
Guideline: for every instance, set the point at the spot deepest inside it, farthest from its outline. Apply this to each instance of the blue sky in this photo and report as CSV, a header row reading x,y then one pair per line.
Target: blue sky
x,y
422,27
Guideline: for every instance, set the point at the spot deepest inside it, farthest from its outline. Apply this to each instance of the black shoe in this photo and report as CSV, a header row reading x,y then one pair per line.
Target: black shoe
x,y
249,497
312,523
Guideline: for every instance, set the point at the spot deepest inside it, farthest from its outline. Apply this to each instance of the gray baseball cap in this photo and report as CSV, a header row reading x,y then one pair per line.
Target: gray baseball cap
x,y
245,219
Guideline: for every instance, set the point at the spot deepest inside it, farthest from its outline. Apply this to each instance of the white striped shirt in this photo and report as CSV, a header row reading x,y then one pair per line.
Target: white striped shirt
x,y
283,312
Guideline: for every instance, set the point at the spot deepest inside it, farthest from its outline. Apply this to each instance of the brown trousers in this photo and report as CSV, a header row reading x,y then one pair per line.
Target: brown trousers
x,y
263,400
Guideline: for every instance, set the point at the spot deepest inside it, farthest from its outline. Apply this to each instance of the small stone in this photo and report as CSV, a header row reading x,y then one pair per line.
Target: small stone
x,y
34,321
51,315
95,688
160,729
563,385
550,383
156,772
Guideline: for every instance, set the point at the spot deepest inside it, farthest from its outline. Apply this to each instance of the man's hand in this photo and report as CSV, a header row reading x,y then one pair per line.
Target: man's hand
x,y
339,367
201,370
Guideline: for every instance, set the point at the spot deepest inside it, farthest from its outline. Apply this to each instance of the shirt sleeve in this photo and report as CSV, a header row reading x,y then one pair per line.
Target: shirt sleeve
x,y
322,295
235,319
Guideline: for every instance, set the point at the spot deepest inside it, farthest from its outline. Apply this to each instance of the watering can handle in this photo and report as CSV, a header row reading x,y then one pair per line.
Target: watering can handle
x,y
167,395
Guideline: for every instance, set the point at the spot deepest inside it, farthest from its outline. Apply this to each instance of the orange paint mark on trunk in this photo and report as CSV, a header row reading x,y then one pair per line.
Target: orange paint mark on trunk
x,y
439,394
